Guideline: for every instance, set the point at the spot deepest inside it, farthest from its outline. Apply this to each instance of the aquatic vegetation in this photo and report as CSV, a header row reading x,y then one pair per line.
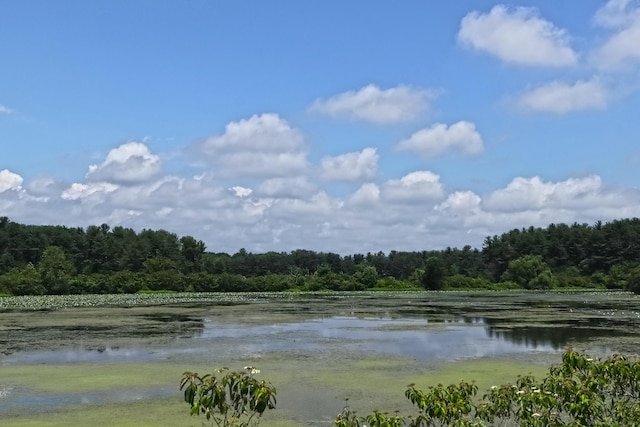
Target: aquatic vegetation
x,y
54,302
126,351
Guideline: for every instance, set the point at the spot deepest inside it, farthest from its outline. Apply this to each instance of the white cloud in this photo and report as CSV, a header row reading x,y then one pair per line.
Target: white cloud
x,y
410,213
461,201
9,180
534,193
367,194
44,186
351,166
283,213
241,191
518,36
415,187
435,140
82,191
307,211
621,49
261,146
558,97
5,110
617,14
266,133
130,163
372,104
294,188
260,165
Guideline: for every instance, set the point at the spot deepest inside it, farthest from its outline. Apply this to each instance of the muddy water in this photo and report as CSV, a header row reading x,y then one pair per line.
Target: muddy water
x,y
320,348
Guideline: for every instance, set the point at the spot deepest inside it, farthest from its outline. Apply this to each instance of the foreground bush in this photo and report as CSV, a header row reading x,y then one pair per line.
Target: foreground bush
x,y
235,399
579,392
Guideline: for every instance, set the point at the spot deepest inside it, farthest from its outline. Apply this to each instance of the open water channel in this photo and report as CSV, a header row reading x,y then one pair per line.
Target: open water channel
x,y
113,360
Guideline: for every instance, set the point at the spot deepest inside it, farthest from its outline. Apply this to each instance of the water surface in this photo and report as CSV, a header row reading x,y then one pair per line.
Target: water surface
x,y
320,333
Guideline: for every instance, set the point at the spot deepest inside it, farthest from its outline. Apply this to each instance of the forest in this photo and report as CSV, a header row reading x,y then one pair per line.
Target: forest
x,y
38,259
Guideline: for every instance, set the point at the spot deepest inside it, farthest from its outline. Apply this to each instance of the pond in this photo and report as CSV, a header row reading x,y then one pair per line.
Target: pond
x,y
88,359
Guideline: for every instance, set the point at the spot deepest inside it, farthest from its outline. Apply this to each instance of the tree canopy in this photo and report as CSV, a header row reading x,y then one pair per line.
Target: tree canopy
x,y
104,259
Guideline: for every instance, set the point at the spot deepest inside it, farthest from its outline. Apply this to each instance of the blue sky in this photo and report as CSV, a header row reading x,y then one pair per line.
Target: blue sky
x,y
338,126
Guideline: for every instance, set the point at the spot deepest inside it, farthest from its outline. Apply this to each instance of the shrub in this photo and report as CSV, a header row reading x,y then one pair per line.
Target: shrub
x,y
459,281
579,392
235,399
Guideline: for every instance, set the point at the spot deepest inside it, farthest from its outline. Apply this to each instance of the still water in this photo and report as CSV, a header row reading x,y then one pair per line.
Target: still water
x,y
314,331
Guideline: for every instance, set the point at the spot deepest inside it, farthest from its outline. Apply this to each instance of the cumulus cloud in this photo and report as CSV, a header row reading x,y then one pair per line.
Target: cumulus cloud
x,y
367,194
438,138
5,110
534,193
294,188
9,180
283,213
410,213
415,187
130,163
461,201
559,97
518,36
83,191
241,191
351,166
262,146
372,104
309,210
45,186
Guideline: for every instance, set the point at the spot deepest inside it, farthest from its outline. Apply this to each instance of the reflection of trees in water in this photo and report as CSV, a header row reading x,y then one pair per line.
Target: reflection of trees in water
x,y
556,336
99,337
532,336
174,325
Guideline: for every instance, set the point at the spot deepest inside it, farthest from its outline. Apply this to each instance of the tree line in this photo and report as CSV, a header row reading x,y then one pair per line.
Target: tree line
x,y
36,259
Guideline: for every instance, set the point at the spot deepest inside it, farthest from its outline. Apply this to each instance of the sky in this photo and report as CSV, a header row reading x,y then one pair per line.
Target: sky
x,y
334,126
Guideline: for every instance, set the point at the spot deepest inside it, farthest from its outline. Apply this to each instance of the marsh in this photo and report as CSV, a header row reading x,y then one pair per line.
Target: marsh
x,y
90,359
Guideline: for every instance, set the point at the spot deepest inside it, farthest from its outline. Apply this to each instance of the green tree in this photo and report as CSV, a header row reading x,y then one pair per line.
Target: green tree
x,y
323,278
55,270
366,276
433,276
633,280
191,251
530,272
158,264
6,261
23,280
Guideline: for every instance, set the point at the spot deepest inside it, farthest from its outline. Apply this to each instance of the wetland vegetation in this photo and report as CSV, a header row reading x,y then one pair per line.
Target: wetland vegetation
x,y
76,359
